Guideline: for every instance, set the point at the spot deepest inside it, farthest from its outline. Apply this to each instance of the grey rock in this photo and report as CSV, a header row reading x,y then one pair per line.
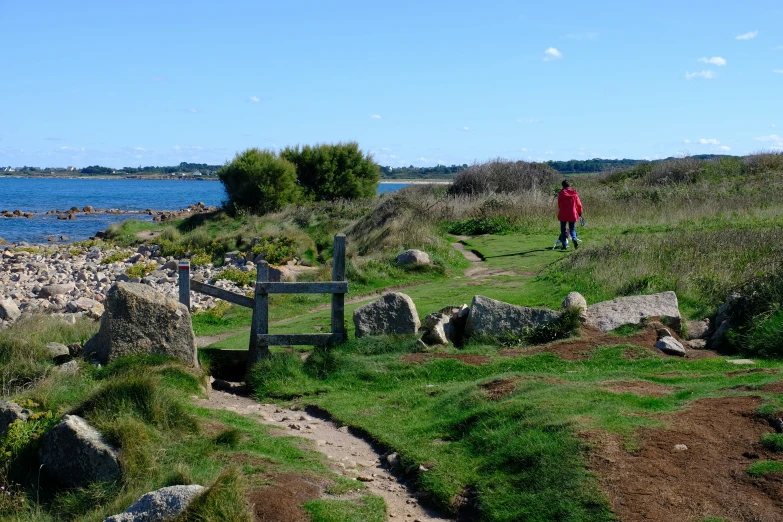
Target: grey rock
x,y
489,317
435,329
56,289
777,424
445,326
56,350
82,304
717,338
574,300
698,329
9,311
160,505
608,315
139,320
696,344
11,412
663,332
671,346
68,368
413,257
74,454
393,313
281,274
171,265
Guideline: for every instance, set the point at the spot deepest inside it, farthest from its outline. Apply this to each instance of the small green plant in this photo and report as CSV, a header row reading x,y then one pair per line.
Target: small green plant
x,y
276,250
566,325
764,467
229,438
237,276
200,259
141,269
772,441
115,257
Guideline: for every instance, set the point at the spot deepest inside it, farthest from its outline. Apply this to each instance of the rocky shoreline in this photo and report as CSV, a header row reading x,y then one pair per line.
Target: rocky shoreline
x,y
71,213
73,282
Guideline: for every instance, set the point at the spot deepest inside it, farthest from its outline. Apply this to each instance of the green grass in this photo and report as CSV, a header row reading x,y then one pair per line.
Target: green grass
x,y
772,441
520,454
764,467
367,509
141,405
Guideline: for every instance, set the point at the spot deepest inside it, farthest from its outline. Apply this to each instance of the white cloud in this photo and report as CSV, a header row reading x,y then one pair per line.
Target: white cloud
x,y
523,149
715,60
254,99
549,152
704,75
385,149
686,141
724,148
529,120
466,128
771,137
552,54
140,149
750,35
582,36
777,71
375,116
709,141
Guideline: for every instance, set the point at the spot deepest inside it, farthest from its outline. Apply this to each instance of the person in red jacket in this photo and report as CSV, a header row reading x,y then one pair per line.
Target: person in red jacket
x,y
569,210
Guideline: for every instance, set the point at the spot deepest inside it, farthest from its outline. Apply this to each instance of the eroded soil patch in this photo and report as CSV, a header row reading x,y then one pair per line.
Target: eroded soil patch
x,y
421,358
708,479
498,389
282,501
637,387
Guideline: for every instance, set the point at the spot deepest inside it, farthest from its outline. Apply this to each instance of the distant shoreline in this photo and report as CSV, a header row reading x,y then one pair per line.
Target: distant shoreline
x,y
175,178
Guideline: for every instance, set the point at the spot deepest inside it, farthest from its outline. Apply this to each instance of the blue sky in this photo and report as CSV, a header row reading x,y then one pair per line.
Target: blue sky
x,y
422,83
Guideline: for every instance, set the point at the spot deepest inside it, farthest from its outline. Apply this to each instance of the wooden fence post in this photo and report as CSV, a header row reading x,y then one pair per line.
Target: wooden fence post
x,y
260,325
184,282
338,300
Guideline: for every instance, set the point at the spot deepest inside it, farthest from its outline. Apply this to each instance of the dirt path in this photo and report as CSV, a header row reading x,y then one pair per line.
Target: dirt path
x,y
349,455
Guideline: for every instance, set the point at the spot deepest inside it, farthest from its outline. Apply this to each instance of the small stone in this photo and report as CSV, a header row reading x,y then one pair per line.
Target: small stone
x,y
295,426
680,447
671,346
777,425
740,361
365,478
320,442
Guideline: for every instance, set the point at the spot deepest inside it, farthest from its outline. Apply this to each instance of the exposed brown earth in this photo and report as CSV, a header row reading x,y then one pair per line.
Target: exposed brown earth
x,y
282,501
637,387
496,390
662,481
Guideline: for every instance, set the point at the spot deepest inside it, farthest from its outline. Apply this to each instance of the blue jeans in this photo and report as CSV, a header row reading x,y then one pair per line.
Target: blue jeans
x,y
571,228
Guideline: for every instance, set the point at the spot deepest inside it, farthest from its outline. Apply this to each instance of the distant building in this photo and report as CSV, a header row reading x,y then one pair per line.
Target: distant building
x,y
70,169
197,173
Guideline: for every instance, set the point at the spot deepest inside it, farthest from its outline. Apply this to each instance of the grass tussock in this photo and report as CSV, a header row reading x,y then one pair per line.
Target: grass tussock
x,y
501,176
224,501
23,357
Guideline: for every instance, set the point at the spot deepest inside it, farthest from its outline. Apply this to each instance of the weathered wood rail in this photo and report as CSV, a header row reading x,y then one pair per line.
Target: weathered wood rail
x,y
260,338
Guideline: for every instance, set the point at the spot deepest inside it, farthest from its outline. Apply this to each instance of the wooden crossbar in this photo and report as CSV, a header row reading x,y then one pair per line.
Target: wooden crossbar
x,y
303,288
231,297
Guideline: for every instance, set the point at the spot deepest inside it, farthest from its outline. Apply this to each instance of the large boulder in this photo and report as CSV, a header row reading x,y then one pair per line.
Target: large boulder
x,y
393,313
11,412
8,310
74,454
608,315
576,300
413,257
139,320
160,505
489,317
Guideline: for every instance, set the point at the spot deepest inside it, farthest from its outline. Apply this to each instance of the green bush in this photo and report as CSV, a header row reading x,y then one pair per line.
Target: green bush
x,y
481,225
260,181
237,276
334,171
772,441
501,176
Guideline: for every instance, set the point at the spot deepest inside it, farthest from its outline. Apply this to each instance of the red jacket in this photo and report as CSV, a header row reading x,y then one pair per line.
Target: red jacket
x,y
568,205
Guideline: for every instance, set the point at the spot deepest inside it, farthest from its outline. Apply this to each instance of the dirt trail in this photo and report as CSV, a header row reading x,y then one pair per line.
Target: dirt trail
x,y
349,455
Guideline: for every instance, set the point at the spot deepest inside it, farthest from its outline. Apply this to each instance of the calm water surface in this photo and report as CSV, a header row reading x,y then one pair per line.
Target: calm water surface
x,y
42,195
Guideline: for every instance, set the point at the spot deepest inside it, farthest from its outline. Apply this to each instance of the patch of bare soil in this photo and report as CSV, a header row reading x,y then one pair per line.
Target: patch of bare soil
x,y
637,387
498,389
774,387
421,358
148,234
665,482
752,370
283,500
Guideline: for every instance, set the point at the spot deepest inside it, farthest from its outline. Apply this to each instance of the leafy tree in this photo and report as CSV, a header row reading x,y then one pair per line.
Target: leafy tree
x,y
259,180
334,171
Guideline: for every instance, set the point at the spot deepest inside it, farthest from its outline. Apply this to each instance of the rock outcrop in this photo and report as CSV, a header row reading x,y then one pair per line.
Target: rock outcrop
x,y
160,505
608,315
393,313
413,257
445,326
9,311
10,412
74,454
138,320
491,318
671,346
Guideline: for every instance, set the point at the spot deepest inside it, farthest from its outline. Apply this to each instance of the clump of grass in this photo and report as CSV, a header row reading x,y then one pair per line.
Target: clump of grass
x,y
230,438
481,225
764,467
140,396
224,501
772,441
141,269
23,358
500,176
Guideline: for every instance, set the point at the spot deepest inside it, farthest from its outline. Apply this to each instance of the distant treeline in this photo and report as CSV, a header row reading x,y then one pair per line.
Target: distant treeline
x,y
436,172
182,167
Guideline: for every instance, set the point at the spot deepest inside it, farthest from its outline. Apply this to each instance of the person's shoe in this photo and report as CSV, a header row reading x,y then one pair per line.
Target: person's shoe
x,y
565,245
576,243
